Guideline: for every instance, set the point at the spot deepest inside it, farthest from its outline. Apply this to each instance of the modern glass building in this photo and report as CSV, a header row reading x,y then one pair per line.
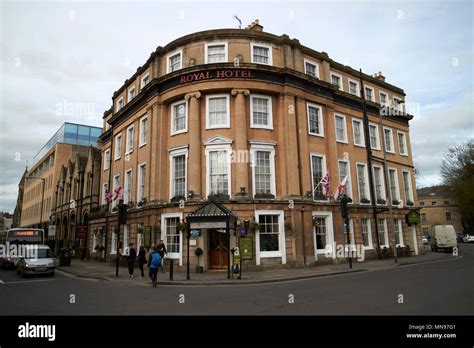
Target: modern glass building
x,y
71,133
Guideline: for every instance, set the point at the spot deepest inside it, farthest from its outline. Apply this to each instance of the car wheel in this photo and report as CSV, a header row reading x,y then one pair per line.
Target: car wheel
x,y
23,275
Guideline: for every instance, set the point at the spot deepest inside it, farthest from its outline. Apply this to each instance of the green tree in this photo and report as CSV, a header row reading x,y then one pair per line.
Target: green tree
x,y
457,171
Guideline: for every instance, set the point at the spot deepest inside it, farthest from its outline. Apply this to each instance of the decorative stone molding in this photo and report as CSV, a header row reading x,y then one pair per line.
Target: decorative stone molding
x,y
245,92
196,95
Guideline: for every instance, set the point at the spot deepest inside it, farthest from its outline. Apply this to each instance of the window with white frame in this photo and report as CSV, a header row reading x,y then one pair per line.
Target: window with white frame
x,y
398,104
383,98
369,93
174,62
311,68
318,168
336,80
374,136
354,87
113,245
352,236
358,132
315,119
270,238
261,112
130,139
344,170
269,233
126,240
263,164
218,111
218,169
105,188
127,190
394,191
179,116
131,93
178,171
383,233
145,80
216,52
119,104
379,184
407,186
388,139
118,146
106,159
140,238
115,186
141,181
366,233
398,232
323,231
341,131
402,144
261,54
362,180
143,131
171,236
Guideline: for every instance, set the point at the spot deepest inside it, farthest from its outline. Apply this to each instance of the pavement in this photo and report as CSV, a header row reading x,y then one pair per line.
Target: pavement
x,y
106,271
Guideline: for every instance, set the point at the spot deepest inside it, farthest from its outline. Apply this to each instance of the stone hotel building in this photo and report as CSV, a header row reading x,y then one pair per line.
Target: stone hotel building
x,y
246,123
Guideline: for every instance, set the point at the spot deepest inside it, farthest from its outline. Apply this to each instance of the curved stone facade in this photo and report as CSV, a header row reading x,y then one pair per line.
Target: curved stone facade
x,y
254,121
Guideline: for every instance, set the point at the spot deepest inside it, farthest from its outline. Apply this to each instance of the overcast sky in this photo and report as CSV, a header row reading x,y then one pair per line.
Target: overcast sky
x,y
78,53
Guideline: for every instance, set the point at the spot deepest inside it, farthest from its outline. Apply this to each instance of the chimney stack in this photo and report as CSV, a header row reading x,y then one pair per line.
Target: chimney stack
x,y
379,76
255,26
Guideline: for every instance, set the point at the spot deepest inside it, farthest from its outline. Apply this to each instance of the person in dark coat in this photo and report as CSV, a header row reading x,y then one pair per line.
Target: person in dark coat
x,y
141,259
162,250
132,256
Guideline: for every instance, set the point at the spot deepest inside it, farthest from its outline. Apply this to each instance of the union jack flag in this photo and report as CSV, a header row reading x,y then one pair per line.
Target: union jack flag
x,y
325,183
118,192
108,196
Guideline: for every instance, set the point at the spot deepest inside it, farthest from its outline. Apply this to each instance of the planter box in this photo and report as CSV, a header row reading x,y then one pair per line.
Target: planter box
x,y
199,269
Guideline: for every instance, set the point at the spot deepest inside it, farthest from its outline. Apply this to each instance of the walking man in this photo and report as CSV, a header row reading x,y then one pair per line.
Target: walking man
x,y
153,263
132,256
162,250
141,260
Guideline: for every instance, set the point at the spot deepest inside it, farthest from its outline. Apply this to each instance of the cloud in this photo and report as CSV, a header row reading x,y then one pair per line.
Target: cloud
x,y
438,129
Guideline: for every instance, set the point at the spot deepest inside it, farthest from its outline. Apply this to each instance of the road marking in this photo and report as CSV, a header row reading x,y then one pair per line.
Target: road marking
x,y
69,275
29,281
2,282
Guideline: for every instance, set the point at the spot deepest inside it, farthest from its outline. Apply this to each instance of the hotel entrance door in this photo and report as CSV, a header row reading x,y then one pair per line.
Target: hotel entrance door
x,y
218,252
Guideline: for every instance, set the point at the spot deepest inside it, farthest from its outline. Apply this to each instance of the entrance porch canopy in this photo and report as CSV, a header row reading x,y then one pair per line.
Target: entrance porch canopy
x,y
212,215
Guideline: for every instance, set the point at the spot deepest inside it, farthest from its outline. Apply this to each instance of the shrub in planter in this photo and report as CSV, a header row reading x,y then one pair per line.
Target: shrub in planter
x,y
410,203
365,201
115,209
395,202
198,252
381,201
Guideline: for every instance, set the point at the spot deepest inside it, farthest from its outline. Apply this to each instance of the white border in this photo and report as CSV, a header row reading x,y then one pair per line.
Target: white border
x,y
378,148
227,124
329,231
140,125
281,240
125,198
127,149
174,153
382,181
169,255
349,87
367,183
172,117
269,148
341,87
346,140
406,143
311,155
391,140
171,54
362,135
215,43
270,112
316,106
218,147
139,181
312,63
115,146
265,45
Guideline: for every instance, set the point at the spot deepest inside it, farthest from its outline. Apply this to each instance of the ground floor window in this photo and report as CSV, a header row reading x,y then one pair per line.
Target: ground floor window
x,y
366,233
126,239
398,232
171,236
270,238
383,235
113,246
322,231
94,242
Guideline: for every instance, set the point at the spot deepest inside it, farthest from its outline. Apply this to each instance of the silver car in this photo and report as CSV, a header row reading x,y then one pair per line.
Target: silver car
x,y
38,261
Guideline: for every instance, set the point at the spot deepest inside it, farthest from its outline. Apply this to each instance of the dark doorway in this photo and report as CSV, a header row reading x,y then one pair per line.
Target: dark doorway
x,y
218,252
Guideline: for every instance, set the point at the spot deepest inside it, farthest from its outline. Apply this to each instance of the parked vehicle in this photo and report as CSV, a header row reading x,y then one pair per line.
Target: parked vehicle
x,y
460,238
443,237
468,238
425,240
19,237
39,262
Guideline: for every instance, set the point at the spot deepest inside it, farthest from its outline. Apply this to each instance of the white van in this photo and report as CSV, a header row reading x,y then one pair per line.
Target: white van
x,y
443,237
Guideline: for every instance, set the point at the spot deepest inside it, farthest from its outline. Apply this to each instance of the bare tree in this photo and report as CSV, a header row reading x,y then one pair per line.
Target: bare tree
x,y
457,171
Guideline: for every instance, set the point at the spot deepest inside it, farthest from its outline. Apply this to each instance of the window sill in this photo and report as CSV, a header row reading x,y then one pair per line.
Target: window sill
x,y
359,145
141,145
342,142
220,126
179,132
261,127
270,254
316,135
